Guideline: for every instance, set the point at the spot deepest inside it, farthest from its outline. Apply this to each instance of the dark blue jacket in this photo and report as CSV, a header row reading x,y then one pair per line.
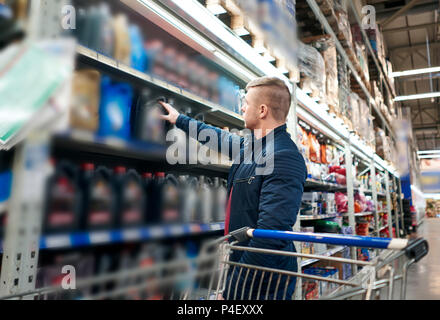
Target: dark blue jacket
x,y
265,201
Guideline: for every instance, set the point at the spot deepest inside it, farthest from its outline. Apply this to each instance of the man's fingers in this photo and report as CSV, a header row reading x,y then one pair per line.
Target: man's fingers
x,y
165,105
164,117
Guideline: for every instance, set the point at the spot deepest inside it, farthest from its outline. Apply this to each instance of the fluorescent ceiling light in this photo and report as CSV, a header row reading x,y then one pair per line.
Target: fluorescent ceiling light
x,y
414,71
216,9
432,156
435,196
428,151
418,96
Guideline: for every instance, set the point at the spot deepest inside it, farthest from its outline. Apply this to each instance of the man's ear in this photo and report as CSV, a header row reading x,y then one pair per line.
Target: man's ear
x,y
264,111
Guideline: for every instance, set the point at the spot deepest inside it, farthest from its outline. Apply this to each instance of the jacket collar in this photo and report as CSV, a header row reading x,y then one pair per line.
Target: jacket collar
x,y
276,131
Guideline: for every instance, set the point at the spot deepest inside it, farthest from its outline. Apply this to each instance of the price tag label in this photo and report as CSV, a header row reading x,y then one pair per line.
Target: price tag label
x,y
195,228
131,234
216,226
58,241
100,237
176,230
156,232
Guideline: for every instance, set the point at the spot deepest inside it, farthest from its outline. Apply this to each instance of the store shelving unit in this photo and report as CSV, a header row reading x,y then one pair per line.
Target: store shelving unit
x,y
246,63
318,217
101,62
103,237
327,253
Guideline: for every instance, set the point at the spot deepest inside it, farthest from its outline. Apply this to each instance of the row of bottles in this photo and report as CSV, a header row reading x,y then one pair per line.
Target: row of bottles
x,y
90,198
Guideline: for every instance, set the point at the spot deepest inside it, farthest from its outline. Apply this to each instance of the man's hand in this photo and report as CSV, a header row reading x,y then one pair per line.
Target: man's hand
x,y
173,114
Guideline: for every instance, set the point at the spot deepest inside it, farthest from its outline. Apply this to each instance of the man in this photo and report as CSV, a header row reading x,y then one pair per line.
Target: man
x,y
263,199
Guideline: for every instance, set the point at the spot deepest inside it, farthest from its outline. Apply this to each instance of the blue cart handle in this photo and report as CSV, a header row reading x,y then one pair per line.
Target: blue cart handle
x,y
345,240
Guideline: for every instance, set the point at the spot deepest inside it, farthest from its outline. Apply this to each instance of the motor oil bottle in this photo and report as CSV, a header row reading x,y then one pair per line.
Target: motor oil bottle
x,y
99,205
220,196
189,198
148,125
205,200
130,197
148,189
170,200
63,199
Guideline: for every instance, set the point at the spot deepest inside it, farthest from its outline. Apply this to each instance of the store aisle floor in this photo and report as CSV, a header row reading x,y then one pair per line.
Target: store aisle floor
x,y
424,277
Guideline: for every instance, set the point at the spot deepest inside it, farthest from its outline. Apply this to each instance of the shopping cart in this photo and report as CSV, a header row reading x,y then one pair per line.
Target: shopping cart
x,y
213,275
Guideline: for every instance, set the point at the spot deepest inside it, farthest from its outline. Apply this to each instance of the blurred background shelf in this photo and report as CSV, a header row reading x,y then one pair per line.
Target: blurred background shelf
x,y
327,253
318,217
313,183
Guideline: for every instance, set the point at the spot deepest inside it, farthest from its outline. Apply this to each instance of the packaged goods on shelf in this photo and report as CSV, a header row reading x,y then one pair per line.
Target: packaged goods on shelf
x,y
432,208
353,111
376,41
360,50
360,203
364,127
363,254
328,50
312,66
361,55
85,100
382,144
307,247
324,287
341,202
115,109
273,20
343,25
163,57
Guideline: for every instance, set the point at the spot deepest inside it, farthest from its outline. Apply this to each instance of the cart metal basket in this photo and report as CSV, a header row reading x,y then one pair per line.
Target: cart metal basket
x,y
213,275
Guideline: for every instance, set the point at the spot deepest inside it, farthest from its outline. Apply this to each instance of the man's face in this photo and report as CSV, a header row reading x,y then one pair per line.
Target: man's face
x,y
250,108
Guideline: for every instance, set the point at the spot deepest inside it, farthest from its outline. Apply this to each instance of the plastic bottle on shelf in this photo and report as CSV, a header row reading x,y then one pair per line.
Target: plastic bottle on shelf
x,y
122,47
104,30
167,195
220,192
130,197
63,199
154,48
189,198
148,126
115,107
84,107
169,55
99,201
138,53
148,190
205,198
182,70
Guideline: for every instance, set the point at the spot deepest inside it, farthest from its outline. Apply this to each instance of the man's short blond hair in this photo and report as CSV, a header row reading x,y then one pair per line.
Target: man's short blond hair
x,y
275,94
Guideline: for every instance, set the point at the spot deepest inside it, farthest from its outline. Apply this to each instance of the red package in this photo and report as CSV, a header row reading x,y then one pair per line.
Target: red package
x,y
340,179
324,154
341,202
314,148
